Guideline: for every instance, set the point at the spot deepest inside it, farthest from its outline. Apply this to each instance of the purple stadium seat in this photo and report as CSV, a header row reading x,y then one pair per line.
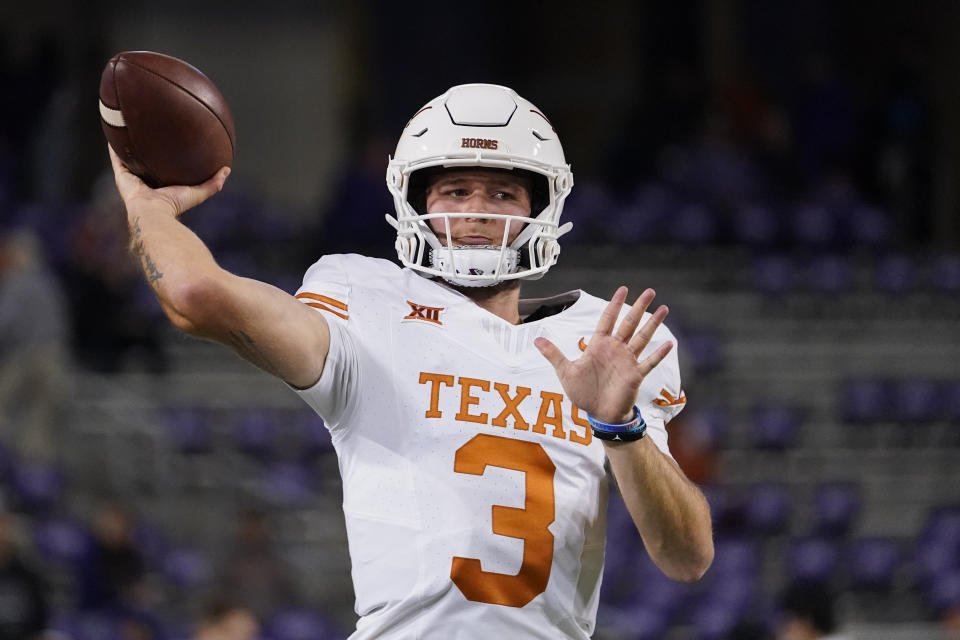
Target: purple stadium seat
x,y
868,226
767,508
775,427
945,273
755,225
592,205
288,485
943,525
829,274
773,275
734,556
710,423
934,558
640,622
873,563
188,429
836,506
61,540
951,401
726,508
916,401
151,540
705,350
300,624
187,568
895,274
812,559
313,438
714,619
814,226
37,486
943,593
864,401
7,463
254,433
693,224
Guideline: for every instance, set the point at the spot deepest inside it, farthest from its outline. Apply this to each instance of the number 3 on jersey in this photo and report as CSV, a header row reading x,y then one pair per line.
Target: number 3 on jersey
x,y
529,524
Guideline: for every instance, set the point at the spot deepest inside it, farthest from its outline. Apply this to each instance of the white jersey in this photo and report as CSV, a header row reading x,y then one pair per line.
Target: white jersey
x,y
474,493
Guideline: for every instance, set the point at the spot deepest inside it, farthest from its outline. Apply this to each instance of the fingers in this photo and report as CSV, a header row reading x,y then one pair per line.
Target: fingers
x,y
190,197
655,358
551,353
612,311
641,338
628,325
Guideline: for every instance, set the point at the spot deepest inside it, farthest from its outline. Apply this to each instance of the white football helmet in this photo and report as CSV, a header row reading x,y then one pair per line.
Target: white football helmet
x,y
488,126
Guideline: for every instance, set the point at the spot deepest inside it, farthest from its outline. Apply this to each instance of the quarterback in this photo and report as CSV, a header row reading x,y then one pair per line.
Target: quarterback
x,y
473,428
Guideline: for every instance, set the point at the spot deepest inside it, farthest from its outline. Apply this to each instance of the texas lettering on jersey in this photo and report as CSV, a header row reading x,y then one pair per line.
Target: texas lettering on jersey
x,y
550,412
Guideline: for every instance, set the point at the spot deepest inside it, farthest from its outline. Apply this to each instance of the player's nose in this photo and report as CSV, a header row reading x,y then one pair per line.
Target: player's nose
x,y
477,203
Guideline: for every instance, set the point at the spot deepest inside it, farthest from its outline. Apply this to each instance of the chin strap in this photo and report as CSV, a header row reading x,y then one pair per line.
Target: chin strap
x,y
474,261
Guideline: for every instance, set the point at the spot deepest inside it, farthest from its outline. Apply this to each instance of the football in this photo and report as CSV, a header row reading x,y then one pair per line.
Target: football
x,y
165,119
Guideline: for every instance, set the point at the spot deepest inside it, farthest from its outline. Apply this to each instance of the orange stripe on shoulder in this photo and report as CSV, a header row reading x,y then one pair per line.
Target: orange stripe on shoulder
x,y
323,307
326,299
668,400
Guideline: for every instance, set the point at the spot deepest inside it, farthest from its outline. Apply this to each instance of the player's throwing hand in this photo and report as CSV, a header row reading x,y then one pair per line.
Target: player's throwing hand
x,y
604,381
135,191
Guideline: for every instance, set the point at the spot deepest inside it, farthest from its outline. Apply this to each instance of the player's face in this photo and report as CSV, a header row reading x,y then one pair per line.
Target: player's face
x,y
477,190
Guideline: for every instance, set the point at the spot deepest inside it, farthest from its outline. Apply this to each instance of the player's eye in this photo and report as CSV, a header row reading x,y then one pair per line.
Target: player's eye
x,y
504,195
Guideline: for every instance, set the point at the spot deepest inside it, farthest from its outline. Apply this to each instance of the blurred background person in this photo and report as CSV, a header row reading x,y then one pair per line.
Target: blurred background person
x,y
34,361
807,613
226,620
24,601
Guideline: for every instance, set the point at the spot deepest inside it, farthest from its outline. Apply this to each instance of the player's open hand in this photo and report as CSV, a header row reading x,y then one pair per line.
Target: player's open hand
x,y
136,193
604,381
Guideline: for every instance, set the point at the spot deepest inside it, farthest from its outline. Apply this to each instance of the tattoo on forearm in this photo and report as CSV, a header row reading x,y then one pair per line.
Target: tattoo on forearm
x,y
246,347
150,269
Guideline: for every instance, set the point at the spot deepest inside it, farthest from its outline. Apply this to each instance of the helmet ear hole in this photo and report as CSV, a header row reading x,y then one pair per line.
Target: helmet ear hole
x,y
417,191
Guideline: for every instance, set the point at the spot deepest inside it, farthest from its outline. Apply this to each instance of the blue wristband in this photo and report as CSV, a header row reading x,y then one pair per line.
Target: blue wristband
x,y
633,430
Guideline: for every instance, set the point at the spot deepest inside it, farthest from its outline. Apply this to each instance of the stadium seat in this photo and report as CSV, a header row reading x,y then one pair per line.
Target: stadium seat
x,y
313,437
755,226
187,568
775,426
300,624
951,401
640,622
812,559
836,506
705,350
773,275
37,486
285,484
254,433
916,401
714,619
895,274
868,226
814,226
829,274
873,563
61,540
864,401
693,224
767,508
943,594
945,273
188,429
